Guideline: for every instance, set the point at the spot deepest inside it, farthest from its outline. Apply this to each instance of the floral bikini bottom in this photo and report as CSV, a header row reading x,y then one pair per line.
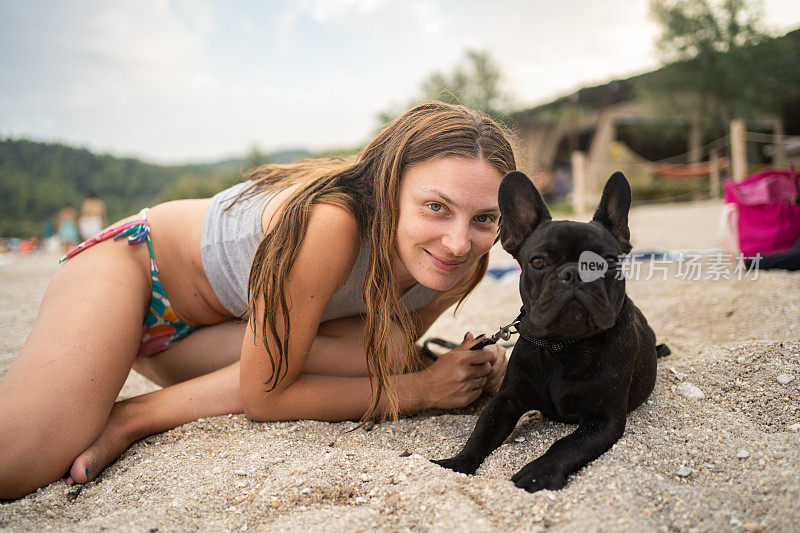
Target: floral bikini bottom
x,y
162,326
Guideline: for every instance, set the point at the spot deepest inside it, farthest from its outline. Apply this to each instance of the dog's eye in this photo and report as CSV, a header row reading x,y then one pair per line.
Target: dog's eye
x,y
611,260
537,262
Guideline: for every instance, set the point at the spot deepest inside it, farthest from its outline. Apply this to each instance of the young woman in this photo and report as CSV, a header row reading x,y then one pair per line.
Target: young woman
x,y
336,268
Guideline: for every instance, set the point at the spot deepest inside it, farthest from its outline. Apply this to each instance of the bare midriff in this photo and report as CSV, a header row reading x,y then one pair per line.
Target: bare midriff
x,y
175,232
175,229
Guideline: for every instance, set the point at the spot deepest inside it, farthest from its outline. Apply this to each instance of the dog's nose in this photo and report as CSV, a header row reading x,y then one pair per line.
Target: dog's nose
x,y
568,274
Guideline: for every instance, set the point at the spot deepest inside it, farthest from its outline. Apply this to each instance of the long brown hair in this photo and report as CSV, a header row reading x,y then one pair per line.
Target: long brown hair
x,y
368,188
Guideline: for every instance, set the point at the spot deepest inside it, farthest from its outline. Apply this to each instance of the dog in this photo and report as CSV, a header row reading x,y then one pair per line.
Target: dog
x,y
586,354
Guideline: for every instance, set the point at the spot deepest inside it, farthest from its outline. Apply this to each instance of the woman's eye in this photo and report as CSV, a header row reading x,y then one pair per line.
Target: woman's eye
x,y
435,207
537,262
485,219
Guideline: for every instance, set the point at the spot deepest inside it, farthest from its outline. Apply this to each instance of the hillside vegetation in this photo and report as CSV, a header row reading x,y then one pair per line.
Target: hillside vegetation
x,y
37,179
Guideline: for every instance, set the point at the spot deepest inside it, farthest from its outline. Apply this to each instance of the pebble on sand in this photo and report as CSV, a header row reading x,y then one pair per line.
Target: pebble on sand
x,y
785,379
684,472
742,454
692,392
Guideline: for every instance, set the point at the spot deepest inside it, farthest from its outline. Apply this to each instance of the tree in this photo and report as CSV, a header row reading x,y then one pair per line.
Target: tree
x,y
476,82
256,158
713,72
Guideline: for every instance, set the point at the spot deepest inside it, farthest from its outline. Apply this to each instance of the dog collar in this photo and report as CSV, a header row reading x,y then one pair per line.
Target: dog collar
x,y
553,346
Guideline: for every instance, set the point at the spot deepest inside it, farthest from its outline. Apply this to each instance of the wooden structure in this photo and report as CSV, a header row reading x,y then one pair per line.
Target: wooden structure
x,y
587,122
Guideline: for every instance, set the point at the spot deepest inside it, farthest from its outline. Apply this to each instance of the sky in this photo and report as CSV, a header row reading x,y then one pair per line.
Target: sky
x,y
195,80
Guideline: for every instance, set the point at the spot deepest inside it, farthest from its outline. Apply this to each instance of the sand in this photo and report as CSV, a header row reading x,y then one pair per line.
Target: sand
x,y
715,448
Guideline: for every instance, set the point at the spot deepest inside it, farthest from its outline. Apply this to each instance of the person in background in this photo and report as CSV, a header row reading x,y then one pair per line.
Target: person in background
x,y
93,216
66,221
47,228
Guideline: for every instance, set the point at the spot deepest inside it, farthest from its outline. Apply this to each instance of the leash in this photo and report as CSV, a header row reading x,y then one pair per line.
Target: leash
x,y
504,333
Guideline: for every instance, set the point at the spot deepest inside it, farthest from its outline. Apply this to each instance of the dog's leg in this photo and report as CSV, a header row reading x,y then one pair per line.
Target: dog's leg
x,y
593,437
496,422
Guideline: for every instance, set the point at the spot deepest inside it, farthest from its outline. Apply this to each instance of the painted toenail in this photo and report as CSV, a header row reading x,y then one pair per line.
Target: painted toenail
x,y
87,473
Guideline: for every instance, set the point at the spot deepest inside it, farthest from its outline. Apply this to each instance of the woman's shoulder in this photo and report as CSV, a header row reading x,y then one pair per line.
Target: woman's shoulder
x,y
335,230
336,218
331,244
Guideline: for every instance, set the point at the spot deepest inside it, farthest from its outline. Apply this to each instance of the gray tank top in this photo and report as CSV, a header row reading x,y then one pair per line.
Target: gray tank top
x,y
228,244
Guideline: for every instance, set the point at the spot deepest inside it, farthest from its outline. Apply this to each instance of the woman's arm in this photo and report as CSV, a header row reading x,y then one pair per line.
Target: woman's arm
x,y
454,381
333,398
322,265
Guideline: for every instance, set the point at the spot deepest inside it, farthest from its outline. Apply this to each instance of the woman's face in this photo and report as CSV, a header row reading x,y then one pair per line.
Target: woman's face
x,y
448,218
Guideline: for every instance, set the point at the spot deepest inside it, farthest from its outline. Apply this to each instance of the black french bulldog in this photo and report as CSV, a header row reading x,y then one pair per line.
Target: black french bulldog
x,y
586,354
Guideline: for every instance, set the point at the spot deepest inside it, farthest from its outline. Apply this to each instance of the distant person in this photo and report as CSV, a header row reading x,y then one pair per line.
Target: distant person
x,y
47,228
93,216
67,223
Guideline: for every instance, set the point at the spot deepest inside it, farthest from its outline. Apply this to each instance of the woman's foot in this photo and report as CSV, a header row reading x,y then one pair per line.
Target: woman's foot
x,y
112,442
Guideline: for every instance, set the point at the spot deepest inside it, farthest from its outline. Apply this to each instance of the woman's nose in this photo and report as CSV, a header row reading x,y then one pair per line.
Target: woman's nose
x,y
457,240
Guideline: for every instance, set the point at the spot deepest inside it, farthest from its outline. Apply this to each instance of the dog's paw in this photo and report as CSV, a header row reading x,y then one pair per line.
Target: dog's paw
x,y
458,464
536,476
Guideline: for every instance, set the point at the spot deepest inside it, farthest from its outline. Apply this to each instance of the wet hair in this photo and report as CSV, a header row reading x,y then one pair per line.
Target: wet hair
x,y
368,188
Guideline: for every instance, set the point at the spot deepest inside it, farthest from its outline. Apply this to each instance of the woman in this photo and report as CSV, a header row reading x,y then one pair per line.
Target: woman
x,y
337,267
93,216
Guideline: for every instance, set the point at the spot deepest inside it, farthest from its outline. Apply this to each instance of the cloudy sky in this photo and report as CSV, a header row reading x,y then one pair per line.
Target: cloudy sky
x,y
181,80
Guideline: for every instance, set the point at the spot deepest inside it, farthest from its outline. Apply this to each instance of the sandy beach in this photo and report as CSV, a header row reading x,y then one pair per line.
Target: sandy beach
x,y
715,448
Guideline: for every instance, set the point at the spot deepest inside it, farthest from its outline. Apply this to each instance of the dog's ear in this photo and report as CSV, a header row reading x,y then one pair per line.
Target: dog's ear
x,y
613,209
522,209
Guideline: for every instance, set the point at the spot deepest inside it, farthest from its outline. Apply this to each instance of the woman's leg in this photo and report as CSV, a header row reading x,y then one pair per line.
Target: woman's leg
x,y
216,393
204,351
201,379
338,350
56,397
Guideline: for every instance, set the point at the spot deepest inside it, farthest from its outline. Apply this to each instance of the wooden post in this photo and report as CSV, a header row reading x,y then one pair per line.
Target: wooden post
x,y
738,150
779,158
714,177
599,150
579,182
695,140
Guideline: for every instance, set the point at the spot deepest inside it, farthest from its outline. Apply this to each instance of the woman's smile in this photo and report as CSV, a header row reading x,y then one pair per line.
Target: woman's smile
x,y
450,265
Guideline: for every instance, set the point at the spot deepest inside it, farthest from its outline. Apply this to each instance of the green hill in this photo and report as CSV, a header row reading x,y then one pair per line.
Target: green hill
x,y
37,179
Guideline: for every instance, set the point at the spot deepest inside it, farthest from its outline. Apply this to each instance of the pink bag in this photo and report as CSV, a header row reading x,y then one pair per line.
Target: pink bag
x,y
769,215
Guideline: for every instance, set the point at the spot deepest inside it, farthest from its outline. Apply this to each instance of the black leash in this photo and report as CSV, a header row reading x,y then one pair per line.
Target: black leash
x,y
504,333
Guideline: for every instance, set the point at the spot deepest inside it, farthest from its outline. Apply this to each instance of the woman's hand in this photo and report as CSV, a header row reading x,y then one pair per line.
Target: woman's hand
x,y
459,376
498,371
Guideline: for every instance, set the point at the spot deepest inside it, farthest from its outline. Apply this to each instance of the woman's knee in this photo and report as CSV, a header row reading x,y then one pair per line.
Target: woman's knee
x,y
339,349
